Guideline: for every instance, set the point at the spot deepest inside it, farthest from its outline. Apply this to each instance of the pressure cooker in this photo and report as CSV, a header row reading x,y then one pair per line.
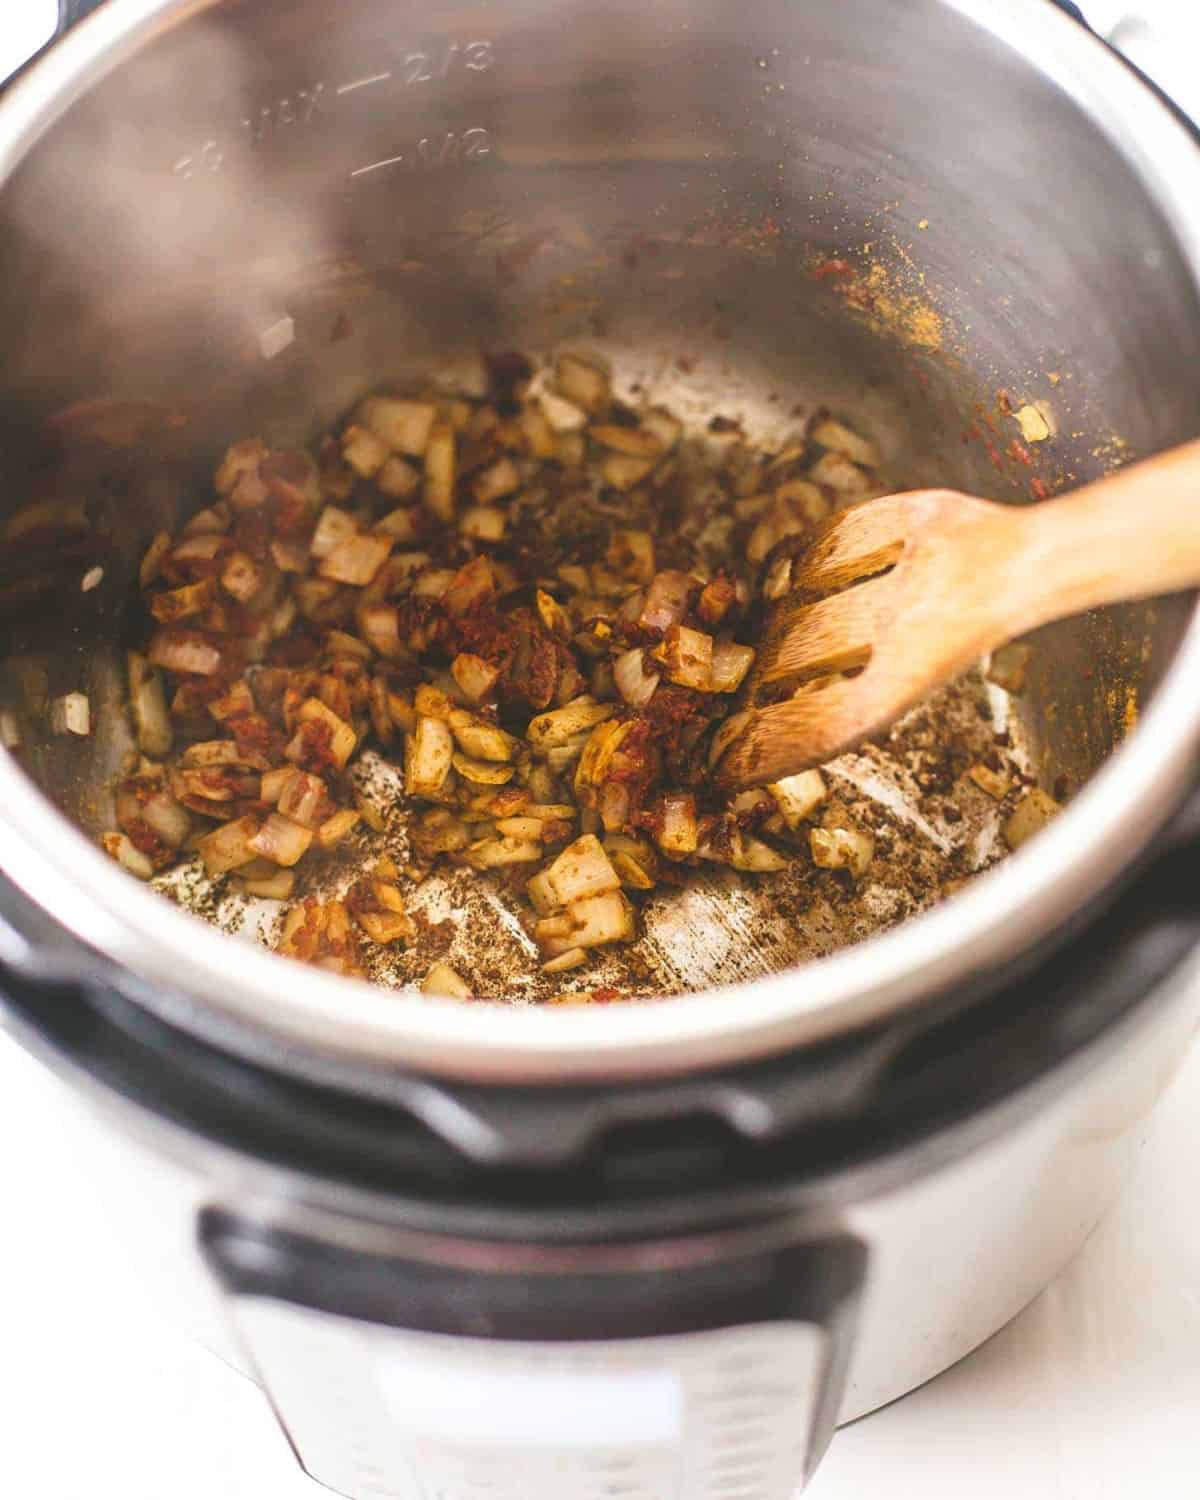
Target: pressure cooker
x,y
660,1247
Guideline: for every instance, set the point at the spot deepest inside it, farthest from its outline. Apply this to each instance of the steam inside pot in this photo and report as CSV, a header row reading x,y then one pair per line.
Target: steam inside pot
x,y
527,610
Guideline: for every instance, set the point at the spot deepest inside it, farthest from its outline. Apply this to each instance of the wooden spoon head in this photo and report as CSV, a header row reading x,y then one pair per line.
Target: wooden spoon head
x,y
894,597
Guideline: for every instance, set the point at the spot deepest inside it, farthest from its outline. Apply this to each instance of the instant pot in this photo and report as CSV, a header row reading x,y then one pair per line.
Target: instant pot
x,y
663,1247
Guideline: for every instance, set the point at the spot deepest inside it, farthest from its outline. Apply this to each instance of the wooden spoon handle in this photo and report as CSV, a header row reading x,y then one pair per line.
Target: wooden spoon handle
x,y
1131,535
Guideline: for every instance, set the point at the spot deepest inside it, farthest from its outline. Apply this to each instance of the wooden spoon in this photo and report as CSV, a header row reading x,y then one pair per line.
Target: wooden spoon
x,y
906,591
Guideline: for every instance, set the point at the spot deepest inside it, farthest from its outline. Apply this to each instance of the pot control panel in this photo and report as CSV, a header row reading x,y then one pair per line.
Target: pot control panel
x,y
382,1414
412,1367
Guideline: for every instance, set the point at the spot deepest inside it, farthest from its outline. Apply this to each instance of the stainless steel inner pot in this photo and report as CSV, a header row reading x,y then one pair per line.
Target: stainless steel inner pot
x,y
238,214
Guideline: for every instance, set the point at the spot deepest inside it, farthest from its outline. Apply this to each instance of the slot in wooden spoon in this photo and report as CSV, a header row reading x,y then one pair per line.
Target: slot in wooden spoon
x,y
900,594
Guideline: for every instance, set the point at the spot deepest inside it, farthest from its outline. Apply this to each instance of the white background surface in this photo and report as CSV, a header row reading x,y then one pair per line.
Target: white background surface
x,y
1092,1394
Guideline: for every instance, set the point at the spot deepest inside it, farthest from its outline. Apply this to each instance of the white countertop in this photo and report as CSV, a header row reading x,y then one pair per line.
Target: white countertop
x,y
1092,1394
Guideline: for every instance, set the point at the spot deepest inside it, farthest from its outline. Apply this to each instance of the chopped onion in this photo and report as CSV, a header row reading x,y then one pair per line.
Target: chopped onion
x,y
989,781
242,577
302,798
334,527
387,927
666,428
481,772
667,600
341,738
275,887
727,732
582,869
842,849
840,474
273,783
168,820
1007,667
182,651
797,797
357,559
530,828
633,441
281,840
432,583
152,562
495,482
803,498
551,613
730,663
778,581
398,479
333,830
1032,814
401,523
241,458
755,857
380,625
127,856
215,519
562,416
778,523
442,980
472,585
370,812
596,920
602,745
623,471
198,549
538,433
542,894
181,603
687,657
836,435
495,854
440,472
581,383
148,706
428,754
475,677
680,833
207,754
229,847
478,738
555,729
716,599
289,556
439,832
614,805
632,553
365,453
483,523
405,426
571,959
634,860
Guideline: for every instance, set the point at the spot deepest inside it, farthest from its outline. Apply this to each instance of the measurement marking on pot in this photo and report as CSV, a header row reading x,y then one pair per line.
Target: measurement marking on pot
x,y
428,66
472,145
302,106
362,83
291,109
